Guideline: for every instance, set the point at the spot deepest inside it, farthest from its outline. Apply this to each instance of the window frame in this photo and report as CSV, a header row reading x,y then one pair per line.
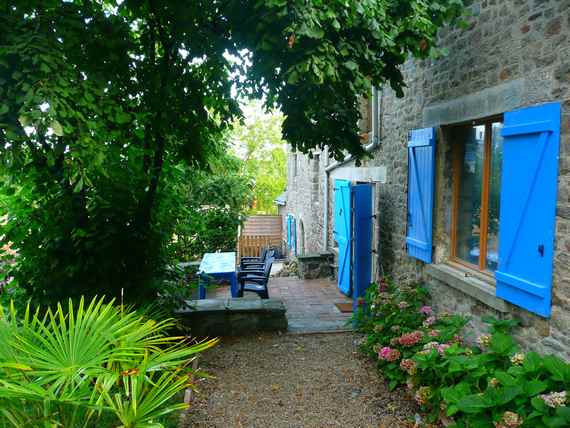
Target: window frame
x,y
457,166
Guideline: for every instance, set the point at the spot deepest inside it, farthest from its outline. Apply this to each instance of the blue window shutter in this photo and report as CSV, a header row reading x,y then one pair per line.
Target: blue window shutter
x,y
343,233
421,177
531,140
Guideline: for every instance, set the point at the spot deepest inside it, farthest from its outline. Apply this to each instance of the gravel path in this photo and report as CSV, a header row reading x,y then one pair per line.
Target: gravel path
x,y
294,381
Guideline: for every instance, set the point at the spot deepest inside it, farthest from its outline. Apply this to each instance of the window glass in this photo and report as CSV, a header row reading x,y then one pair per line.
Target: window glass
x,y
469,199
494,196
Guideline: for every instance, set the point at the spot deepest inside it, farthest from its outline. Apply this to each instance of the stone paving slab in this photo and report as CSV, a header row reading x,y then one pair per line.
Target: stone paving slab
x,y
310,303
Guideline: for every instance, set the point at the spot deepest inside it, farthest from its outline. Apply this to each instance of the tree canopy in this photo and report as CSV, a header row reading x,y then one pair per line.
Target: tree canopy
x,y
258,141
104,103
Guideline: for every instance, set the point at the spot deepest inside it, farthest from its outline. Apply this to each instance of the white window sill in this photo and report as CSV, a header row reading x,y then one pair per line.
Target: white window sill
x,y
461,280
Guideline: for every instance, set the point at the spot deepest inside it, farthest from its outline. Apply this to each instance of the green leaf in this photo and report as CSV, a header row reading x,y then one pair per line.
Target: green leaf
x,y
563,412
559,369
78,186
351,65
539,404
57,128
502,344
293,77
314,32
505,379
504,395
474,403
452,410
4,109
535,387
121,117
17,366
555,422
532,362
24,120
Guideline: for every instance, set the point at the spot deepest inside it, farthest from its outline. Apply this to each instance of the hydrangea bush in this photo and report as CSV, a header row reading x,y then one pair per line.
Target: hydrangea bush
x,y
489,384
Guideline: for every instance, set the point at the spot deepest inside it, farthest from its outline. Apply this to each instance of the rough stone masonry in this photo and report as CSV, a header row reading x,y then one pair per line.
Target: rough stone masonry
x,y
514,53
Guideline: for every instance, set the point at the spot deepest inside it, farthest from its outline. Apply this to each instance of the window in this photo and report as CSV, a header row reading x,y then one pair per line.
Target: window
x,y
477,157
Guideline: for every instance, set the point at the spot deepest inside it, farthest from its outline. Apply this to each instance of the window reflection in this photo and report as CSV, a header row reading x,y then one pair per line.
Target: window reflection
x,y
494,196
469,199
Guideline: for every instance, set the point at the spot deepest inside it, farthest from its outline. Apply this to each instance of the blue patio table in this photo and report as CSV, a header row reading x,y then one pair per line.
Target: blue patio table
x,y
218,266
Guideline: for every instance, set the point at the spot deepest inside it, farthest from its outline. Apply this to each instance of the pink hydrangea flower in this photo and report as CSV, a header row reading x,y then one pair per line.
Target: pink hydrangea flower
x,y
457,339
439,347
409,366
509,420
426,310
429,321
433,333
389,354
423,394
410,339
442,347
403,305
554,399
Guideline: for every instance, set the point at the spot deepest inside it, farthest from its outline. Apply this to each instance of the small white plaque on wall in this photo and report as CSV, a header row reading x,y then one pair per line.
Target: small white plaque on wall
x,y
353,173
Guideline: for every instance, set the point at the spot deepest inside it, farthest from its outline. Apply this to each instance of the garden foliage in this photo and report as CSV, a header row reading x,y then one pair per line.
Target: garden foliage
x,y
490,384
217,203
104,105
89,364
258,140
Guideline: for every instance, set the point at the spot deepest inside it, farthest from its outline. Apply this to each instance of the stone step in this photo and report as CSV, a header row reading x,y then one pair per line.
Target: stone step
x,y
233,316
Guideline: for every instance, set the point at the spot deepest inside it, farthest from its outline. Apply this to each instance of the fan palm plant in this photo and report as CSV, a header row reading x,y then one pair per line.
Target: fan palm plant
x,y
88,363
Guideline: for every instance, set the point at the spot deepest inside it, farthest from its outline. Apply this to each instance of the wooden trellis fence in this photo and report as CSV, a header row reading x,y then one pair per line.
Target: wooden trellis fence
x,y
257,233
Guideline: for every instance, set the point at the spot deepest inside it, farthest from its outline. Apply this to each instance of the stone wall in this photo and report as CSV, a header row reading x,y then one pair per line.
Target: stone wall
x,y
514,53
305,198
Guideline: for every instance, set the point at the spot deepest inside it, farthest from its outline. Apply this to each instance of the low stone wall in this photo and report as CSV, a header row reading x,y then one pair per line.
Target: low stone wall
x,y
233,317
453,295
316,265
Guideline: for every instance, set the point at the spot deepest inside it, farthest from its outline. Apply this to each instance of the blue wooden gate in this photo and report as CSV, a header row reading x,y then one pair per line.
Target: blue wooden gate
x,y
343,233
362,246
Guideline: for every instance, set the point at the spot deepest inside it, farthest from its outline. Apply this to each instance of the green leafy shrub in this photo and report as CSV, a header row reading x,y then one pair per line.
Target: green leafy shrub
x,y
493,384
90,365
488,385
398,323
216,205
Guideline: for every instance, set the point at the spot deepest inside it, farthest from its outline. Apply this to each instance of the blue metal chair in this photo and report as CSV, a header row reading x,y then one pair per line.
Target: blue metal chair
x,y
255,281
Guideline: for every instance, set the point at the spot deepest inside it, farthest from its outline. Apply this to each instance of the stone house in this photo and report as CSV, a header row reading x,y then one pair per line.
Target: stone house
x,y
468,178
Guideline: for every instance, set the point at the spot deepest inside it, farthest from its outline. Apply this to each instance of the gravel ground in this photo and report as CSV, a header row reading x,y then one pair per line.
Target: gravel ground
x,y
293,381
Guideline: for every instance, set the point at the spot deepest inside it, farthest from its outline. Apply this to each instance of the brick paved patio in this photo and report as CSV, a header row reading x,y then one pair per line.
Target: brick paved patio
x,y
310,303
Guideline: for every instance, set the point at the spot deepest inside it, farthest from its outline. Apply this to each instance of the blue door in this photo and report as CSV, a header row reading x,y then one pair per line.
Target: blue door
x,y
343,233
362,247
